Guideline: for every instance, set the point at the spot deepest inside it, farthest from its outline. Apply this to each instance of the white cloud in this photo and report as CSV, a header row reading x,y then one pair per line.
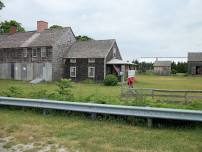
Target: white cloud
x,y
141,27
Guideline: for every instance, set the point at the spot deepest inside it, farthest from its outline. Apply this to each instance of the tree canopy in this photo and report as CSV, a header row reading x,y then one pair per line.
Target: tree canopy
x,y
83,38
5,26
55,26
1,5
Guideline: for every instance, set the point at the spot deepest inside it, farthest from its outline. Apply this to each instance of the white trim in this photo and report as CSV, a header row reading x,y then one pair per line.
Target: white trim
x,y
91,60
71,68
72,60
43,52
91,76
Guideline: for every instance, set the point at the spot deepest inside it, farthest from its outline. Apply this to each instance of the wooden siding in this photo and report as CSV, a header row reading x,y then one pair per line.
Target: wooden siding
x,y
82,69
16,55
192,65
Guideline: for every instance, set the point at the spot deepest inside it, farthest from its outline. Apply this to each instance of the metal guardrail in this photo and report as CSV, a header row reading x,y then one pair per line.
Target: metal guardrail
x,y
147,112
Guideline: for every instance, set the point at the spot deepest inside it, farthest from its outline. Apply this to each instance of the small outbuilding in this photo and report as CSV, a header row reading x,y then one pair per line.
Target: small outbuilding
x,y
195,63
162,67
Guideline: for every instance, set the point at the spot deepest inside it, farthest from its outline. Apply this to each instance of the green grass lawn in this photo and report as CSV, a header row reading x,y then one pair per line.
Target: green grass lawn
x,y
79,133
111,95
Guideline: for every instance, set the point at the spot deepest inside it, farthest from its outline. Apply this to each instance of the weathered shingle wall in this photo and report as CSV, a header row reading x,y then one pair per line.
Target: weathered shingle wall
x,y
59,49
82,69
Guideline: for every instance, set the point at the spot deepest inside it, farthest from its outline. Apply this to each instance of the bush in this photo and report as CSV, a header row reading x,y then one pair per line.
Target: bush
x,y
64,89
110,80
13,91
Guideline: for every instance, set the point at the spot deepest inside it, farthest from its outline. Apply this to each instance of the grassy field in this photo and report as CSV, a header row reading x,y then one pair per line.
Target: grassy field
x,y
111,95
34,132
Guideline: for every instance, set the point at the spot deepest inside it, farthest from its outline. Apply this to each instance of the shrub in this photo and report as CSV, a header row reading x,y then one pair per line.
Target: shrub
x,y
110,80
41,93
13,92
64,89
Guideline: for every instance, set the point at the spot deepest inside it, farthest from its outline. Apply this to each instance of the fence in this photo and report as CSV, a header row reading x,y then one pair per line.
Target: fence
x,y
187,95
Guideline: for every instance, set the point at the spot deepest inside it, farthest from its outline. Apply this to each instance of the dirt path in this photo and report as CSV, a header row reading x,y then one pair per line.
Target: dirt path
x,y
5,146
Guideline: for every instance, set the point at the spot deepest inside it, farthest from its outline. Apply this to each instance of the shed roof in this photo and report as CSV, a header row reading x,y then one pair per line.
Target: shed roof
x,y
195,56
162,63
90,49
32,38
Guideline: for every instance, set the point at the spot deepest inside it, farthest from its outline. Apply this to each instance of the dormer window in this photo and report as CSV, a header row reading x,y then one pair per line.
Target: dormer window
x,y
72,60
91,60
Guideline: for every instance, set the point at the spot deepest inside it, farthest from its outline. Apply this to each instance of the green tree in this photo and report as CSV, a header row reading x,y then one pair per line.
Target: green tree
x,y
83,38
1,5
5,26
56,27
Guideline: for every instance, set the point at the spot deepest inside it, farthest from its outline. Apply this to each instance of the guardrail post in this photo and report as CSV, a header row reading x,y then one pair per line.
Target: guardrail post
x,y
93,115
149,122
152,94
45,111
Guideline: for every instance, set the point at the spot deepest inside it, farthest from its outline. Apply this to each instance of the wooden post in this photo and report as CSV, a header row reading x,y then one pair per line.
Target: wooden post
x,y
186,98
152,94
93,115
45,112
149,122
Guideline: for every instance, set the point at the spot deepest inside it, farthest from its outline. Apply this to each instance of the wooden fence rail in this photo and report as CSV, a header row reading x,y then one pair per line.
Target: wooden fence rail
x,y
187,95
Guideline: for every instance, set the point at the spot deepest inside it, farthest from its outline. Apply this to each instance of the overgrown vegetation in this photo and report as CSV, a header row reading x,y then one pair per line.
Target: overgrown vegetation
x,y
99,93
110,80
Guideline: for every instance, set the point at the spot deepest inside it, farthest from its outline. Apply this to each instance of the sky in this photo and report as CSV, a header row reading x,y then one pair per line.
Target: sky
x,y
142,28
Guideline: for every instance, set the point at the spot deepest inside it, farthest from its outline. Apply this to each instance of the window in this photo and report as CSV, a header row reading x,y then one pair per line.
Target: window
x,y
25,52
34,52
91,72
72,71
91,60
43,52
72,60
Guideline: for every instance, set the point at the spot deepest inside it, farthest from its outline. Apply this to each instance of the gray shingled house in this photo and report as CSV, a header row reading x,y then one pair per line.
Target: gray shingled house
x,y
195,63
51,54
93,59
162,67
34,54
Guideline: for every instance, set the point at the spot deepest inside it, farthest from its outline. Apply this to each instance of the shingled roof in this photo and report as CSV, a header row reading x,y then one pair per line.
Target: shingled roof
x,y
90,49
162,63
32,38
195,56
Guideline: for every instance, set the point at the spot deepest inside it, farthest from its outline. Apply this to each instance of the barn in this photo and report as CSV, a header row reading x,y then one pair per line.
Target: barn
x,y
195,63
162,67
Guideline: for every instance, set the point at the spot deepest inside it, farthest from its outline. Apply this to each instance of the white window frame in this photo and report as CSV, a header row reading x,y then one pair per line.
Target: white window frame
x,y
43,52
91,76
34,49
91,60
72,60
25,52
72,75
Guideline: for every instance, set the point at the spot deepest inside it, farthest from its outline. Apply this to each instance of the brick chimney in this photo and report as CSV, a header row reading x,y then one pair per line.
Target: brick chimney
x,y
41,26
13,29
